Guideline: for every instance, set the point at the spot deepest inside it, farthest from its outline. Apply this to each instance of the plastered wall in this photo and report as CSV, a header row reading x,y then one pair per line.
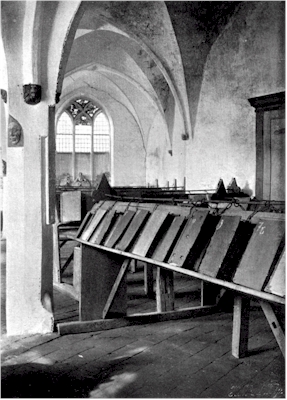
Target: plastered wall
x,y
165,159
247,60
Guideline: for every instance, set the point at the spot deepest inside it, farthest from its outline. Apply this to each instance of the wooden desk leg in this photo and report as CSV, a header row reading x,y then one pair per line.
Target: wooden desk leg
x,y
274,324
240,331
148,280
164,290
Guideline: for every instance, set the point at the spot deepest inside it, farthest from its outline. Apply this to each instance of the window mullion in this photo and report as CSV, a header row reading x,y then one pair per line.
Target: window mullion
x,y
92,152
74,152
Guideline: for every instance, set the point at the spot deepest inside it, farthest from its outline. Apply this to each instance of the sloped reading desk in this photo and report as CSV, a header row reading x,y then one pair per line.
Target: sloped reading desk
x,y
240,252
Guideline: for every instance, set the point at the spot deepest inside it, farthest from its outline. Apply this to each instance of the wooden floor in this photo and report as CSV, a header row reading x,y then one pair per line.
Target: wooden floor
x,y
188,358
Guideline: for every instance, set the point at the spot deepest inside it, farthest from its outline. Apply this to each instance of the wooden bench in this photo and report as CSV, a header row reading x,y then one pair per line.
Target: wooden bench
x,y
72,205
238,251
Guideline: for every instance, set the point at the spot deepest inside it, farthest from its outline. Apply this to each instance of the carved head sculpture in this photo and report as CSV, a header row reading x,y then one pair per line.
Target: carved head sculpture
x,y
32,93
4,95
14,133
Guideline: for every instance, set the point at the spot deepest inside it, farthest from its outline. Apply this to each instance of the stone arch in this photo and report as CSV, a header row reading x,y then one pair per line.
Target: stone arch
x,y
177,91
174,90
32,42
70,34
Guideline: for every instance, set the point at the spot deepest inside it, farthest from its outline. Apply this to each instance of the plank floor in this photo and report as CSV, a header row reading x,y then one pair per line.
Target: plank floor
x,y
188,358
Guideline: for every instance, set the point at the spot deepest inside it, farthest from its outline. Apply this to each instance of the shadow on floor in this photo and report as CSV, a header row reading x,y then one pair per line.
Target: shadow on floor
x,y
33,380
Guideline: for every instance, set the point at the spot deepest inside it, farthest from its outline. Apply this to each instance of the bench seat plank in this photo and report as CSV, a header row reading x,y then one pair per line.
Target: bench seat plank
x,y
119,228
276,284
161,252
149,233
188,238
88,217
103,228
258,258
133,229
87,233
219,245
98,207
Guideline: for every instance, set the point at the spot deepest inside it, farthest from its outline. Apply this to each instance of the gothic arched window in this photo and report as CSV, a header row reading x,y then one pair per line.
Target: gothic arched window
x,y
101,138
83,140
64,141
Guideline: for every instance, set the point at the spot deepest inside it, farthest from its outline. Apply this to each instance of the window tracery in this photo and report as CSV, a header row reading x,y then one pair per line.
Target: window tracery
x,y
83,128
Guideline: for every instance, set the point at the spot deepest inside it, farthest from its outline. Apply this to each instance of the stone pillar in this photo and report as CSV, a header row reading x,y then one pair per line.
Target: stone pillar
x,y
36,45
29,239
29,290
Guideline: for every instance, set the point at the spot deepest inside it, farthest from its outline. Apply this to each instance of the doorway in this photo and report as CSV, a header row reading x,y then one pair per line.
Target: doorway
x,y
270,146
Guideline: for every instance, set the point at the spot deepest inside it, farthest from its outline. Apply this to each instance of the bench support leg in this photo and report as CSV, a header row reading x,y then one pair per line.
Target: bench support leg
x,y
274,324
115,287
240,330
148,281
77,270
164,290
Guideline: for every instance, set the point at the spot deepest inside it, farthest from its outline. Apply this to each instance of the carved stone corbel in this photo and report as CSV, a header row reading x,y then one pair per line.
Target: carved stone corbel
x,y
15,133
32,93
4,95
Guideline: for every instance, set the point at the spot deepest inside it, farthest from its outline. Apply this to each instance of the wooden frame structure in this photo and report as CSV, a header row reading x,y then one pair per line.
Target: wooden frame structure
x,y
239,251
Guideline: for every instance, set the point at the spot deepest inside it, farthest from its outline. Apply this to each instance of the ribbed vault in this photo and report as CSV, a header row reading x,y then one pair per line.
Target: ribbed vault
x,y
149,57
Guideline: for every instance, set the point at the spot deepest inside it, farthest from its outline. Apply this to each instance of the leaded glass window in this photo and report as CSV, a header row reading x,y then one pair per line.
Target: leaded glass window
x,y
64,138
83,128
101,134
83,135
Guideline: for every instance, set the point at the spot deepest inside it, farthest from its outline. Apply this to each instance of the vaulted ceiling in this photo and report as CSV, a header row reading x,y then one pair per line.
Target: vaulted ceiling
x,y
149,55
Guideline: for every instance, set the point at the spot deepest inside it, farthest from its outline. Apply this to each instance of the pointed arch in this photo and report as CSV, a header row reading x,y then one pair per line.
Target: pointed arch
x,y
82,147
